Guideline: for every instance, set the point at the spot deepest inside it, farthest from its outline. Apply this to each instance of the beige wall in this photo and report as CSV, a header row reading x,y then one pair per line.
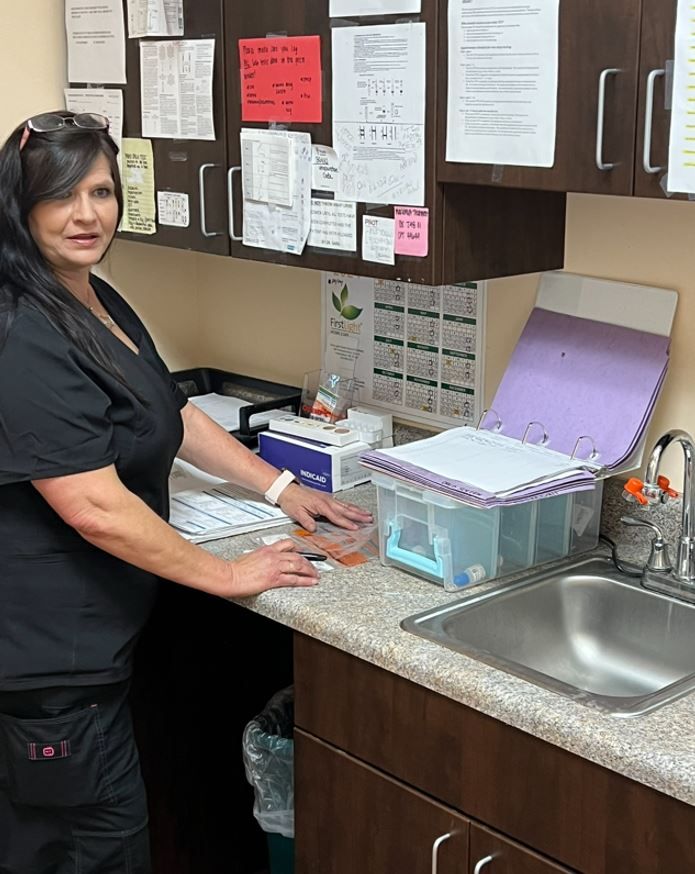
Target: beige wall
x,y
264,320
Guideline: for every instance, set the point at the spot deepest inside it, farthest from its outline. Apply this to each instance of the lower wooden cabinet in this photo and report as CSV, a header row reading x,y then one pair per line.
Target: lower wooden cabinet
x,y
533,807
350,818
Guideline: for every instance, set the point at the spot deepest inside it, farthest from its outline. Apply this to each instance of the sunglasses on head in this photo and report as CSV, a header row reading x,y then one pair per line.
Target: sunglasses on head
x,y
48,122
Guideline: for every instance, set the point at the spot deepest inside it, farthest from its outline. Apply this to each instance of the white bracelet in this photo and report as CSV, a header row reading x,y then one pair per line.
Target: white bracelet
x,y
278,486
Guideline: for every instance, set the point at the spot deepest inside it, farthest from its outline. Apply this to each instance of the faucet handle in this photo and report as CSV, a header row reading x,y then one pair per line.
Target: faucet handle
x,y
658,560
632,491
664,484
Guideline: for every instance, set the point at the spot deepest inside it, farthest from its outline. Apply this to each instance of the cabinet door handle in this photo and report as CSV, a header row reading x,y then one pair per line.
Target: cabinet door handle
x,y
435,850
201,191
600,113
648,122
482,863
230,197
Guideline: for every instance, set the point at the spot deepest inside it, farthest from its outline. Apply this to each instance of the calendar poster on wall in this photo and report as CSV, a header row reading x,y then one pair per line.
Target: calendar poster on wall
x,y
414,350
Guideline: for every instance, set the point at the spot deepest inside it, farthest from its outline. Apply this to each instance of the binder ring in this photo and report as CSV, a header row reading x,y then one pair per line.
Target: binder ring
x,y
498,423
544,438
592,455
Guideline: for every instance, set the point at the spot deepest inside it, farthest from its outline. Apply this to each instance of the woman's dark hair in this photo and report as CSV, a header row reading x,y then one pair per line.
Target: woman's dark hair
x,y
47,167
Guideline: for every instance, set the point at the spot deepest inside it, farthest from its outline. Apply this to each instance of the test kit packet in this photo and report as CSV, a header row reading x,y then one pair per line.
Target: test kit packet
x,y
324,467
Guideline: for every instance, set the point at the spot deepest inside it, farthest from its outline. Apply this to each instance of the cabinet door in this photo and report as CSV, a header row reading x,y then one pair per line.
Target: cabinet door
x,y
505,856
657,48
351,818
305,18
595,36
195,168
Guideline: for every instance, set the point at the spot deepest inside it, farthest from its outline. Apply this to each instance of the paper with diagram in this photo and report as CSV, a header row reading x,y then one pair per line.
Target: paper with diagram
x,y
176,88
502,82
155,18
681,153
267,169
268,224
379,113
96,41
416,350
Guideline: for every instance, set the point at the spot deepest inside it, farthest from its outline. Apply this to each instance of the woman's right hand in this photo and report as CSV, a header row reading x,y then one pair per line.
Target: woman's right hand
x,y
270,567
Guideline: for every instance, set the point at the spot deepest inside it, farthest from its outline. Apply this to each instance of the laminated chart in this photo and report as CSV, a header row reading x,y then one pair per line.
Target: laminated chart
x,y
414,349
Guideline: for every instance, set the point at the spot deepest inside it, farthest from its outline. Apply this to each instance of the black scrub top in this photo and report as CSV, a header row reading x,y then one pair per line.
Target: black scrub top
x,y
70,614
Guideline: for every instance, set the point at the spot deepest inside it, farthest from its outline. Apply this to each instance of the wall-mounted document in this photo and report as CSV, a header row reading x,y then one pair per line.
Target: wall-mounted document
x,y
155,18
681,152
96,41
503,68
269,225
173,209
104,101
176,89
379,113
267,167
333,224
416,350
347,8
378,234
138,187
324,168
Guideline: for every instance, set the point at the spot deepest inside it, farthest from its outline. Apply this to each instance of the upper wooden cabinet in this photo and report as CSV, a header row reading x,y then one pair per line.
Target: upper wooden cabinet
x,y
475,232
653,118
193,167
597,96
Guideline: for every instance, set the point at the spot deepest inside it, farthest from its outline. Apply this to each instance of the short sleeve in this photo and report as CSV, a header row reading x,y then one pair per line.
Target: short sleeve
x,y
54,419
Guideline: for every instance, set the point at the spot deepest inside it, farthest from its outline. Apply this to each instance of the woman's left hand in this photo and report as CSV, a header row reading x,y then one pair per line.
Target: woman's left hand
x,y
305,504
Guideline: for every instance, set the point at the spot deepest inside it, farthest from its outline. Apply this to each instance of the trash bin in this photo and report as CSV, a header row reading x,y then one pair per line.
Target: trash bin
x,y
268,751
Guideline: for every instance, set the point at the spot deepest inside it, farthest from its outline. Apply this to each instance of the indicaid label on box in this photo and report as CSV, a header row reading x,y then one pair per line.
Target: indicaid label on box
x,y
412,231
281,79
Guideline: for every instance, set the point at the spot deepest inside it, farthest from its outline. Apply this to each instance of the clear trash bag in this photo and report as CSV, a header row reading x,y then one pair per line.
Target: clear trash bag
x,y
268,751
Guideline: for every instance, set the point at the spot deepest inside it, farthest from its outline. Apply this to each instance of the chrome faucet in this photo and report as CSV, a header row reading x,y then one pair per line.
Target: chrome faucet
x,y
678,580
684,569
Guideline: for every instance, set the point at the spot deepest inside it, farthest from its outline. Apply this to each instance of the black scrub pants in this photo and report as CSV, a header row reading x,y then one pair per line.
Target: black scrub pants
x,y
72,799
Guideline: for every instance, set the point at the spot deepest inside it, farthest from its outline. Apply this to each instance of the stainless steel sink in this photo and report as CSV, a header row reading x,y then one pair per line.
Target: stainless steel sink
x,y
583,629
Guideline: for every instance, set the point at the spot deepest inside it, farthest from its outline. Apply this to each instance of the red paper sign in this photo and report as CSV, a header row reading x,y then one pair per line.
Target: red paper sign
x,y
281,79
412,231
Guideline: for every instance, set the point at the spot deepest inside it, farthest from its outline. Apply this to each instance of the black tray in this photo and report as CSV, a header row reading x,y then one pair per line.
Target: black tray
x,y
261,394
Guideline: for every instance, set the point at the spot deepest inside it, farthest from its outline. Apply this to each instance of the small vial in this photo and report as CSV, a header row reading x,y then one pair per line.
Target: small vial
x,y
476,573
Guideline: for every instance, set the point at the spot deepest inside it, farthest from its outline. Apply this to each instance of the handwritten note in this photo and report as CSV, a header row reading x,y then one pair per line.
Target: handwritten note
x,y
324,168
377,239
333,224
412,231
281,79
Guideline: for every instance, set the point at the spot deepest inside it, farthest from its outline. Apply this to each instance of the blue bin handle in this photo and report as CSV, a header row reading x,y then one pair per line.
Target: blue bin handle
x,y
433,566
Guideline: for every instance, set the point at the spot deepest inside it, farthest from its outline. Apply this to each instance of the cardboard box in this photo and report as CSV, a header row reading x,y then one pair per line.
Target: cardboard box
x,y
324,467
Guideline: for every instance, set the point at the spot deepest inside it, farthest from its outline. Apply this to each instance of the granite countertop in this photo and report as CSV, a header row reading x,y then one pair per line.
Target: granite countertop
x,y
358,610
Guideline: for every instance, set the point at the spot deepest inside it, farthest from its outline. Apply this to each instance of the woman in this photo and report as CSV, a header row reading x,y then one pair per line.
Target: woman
x,y
90,422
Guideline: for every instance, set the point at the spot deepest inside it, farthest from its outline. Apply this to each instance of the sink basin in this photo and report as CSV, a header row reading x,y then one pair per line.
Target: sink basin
x,y
582,629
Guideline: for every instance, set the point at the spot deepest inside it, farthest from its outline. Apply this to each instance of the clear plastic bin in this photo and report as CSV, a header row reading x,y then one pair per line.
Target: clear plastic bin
x,y
450,543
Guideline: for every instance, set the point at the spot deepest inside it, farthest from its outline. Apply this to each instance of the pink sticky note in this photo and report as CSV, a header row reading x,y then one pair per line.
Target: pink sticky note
x,y
412,230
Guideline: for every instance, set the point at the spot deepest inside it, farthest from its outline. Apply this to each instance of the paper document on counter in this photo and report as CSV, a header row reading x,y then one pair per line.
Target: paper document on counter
x,y
176,89
681,153
379,113
503,73
203,507
96,41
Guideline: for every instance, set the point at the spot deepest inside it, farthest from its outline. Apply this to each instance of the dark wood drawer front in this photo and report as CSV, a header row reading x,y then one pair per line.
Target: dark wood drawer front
x,y
578,813
350,818
507,857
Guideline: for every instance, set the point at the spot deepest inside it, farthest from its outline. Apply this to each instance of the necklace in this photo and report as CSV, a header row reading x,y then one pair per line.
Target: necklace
x,y
106,320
